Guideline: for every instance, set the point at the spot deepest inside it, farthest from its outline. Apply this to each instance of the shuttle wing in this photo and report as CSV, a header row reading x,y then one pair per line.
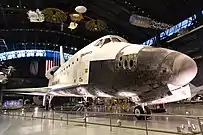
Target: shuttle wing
x,y
42,90
186,92
177,95
56,90
33,93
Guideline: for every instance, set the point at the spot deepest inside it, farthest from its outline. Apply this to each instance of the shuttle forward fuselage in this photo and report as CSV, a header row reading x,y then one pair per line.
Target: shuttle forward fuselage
x,y
110,66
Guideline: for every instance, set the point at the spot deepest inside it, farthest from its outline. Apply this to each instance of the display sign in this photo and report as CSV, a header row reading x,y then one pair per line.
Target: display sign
x,y
13,103
32,53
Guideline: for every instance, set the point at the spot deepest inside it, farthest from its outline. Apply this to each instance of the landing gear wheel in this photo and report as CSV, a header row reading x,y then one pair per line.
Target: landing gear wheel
x,y
139,110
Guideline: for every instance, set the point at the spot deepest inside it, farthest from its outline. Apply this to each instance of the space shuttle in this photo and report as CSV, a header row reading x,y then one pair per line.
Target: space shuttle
x,y
113,67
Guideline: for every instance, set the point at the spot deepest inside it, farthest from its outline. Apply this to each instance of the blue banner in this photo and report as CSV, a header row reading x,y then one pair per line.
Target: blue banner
x,y
32,53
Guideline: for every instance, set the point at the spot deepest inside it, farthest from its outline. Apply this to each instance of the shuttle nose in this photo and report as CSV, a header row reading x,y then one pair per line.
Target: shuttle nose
x,y
184,70
158,65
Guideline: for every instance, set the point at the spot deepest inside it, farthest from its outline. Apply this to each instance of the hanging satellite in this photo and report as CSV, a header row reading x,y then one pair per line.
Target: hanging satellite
x,y
5,73
35,16
146,22
73,25
54,15
76,17
81,9
95,25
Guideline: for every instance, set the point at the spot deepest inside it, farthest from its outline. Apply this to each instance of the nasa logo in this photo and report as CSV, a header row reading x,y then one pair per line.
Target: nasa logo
x,y
34,67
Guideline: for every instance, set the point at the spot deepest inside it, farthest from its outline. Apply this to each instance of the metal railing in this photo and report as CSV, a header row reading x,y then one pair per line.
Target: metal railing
x,y
190,124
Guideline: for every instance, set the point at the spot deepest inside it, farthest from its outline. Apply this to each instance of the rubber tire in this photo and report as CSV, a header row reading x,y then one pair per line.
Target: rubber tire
x,y
148,111
141,112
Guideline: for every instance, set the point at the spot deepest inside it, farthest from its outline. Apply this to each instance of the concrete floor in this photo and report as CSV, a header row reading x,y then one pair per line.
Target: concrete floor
x,y
18,125
10,125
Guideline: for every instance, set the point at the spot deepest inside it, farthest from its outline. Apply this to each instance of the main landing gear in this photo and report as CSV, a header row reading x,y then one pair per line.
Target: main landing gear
x,y
47,102
141,109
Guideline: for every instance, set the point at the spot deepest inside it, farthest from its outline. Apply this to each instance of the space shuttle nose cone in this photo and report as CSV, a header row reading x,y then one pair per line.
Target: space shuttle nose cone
x,y
184,70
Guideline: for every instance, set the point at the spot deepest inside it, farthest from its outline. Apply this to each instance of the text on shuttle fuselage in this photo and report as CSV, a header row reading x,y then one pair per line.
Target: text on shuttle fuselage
x,y
83,54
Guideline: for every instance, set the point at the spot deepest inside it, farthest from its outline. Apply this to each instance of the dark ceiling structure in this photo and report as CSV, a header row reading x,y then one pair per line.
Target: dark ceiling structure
x,y
17,31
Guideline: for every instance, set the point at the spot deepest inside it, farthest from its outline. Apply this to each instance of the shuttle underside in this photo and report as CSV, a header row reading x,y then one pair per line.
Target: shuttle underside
x,y
115,82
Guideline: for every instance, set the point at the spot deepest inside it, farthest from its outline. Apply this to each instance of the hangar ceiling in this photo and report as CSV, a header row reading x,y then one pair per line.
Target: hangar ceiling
x,y
18,31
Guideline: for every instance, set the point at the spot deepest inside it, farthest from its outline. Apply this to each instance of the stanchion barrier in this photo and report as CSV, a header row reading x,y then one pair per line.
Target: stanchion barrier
x,y
67,118
146,126
25,113
42,116
110,122
85,120
198,118
53,116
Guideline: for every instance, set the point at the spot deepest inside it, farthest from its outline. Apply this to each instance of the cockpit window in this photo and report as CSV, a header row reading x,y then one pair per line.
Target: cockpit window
x,y
107,41
103,42
98,43
115,39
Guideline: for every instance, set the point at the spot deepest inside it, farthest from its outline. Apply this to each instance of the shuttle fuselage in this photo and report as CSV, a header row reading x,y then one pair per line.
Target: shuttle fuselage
x,y
110,66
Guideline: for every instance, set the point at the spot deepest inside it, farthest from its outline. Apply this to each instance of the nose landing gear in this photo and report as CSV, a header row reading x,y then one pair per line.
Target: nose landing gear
x,y
139,110
47,99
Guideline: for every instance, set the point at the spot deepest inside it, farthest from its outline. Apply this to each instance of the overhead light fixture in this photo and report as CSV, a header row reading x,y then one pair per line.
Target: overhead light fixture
x,y
81,9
